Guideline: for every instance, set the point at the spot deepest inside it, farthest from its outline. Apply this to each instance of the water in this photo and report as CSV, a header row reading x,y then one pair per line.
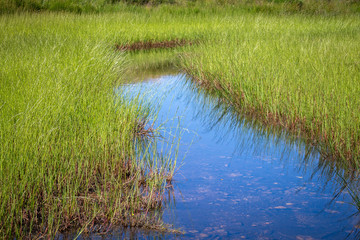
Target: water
x,y
238,180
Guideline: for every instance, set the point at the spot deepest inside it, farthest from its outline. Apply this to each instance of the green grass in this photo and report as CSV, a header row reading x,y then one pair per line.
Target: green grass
x,y
299,72
69,157
264,6
68,153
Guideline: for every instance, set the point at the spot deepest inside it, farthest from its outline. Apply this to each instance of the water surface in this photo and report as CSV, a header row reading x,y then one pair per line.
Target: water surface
x,y
237,180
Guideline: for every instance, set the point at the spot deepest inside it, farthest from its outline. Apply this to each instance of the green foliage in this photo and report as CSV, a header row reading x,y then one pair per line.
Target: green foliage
x,y
299,72
77,6
68,152
61,133
265,6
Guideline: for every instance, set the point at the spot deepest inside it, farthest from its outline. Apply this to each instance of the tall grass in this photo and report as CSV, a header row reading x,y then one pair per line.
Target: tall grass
x,y
264,6
299,72
69,155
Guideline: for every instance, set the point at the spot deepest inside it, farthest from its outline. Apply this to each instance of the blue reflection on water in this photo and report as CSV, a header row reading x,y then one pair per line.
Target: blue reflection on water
x,y
237,181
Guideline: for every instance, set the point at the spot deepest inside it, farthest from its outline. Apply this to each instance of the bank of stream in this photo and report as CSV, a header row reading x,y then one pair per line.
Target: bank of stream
x,y
238,180
235,179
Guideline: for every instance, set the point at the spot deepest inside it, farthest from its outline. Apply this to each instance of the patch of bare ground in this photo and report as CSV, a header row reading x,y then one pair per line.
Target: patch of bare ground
x,y
147,45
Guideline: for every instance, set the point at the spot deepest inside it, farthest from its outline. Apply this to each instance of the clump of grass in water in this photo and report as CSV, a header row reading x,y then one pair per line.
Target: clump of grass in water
x,y
68,157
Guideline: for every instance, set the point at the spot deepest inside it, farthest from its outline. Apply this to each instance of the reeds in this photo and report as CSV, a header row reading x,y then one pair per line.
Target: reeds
x,y
68,157
298,72
261,6
69,154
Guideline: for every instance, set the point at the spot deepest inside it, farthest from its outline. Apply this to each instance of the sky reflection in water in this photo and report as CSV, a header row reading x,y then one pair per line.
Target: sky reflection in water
x,y
237,180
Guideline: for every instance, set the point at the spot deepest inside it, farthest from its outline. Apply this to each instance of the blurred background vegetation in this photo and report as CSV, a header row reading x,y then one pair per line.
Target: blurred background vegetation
x,y
270,6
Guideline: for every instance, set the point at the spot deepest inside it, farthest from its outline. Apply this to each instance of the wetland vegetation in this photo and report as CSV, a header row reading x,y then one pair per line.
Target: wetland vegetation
x,y
250,181
74,154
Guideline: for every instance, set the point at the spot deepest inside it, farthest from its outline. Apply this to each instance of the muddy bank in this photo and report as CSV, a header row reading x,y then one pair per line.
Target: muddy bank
x,y
154,45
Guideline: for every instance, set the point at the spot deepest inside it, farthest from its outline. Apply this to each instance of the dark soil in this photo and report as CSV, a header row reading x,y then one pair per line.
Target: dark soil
x,y
152,45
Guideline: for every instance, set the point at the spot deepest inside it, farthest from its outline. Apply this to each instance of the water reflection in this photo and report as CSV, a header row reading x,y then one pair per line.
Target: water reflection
x,y
228,123
124,233
241,180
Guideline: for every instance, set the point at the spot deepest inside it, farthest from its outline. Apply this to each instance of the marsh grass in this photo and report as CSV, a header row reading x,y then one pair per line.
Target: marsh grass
x,y
152,63
70,152
229,122
297,72
261,6
73,153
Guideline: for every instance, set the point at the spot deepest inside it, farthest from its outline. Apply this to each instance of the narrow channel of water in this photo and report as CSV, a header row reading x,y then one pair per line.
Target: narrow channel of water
x,y
237,180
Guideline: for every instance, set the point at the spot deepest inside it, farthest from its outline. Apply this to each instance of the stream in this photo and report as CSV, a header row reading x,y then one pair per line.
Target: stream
x,y
237,180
